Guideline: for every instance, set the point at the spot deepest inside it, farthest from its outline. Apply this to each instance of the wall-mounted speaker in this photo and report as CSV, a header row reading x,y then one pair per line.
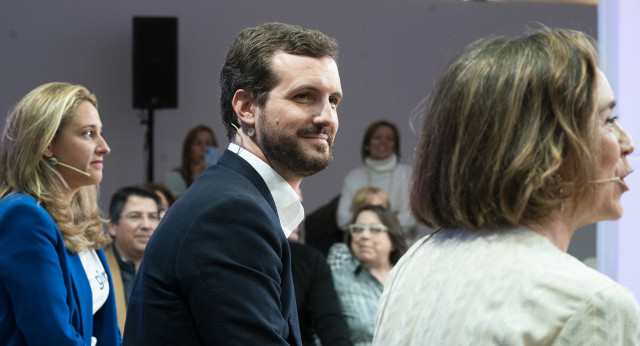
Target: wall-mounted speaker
x,y
155,62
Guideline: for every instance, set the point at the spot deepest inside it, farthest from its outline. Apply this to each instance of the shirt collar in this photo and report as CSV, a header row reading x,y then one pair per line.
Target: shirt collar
x,y
125,265
290,210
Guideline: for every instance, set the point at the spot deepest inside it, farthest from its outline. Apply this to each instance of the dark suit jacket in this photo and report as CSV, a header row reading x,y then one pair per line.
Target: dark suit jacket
x,y
318,305
217,270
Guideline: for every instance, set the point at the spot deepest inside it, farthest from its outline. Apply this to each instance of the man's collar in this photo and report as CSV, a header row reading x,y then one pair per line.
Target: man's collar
x,y
122,262
290,210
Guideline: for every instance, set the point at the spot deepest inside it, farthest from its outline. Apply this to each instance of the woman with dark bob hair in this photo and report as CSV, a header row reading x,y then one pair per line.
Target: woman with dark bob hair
x,y
377,242
519,148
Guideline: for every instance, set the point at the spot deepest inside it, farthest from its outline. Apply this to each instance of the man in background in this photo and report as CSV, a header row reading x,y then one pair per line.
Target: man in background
x,y
134,214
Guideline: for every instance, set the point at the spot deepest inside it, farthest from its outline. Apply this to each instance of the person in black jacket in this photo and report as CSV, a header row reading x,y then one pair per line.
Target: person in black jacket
x,y
217,271
319,311
318,307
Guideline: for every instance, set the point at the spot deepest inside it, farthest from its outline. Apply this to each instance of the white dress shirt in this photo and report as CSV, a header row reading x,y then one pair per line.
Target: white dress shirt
x,y
290,210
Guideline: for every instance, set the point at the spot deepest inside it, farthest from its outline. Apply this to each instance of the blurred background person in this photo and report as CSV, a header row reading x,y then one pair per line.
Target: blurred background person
x,y
56,286
377,242
165,195
134,214
339,252
321,321
321,227
519,148
195,144
380,154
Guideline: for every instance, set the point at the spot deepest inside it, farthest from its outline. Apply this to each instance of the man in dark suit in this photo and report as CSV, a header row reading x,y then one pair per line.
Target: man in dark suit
x,y
217,271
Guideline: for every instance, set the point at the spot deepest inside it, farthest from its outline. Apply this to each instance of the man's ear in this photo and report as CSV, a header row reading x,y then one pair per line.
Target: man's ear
x,y
245,107
111,227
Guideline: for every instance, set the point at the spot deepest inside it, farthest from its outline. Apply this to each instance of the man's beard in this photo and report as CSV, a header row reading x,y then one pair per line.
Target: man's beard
x,y
286,151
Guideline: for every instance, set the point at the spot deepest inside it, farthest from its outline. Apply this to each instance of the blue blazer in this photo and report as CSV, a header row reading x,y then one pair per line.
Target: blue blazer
x,y
45,297
217,270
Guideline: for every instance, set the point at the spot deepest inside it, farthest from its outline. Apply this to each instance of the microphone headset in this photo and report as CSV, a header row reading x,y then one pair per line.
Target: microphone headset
x,y
53,161
599,181
608,180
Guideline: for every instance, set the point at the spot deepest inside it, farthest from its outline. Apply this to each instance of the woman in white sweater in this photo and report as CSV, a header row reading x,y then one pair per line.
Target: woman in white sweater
x,y
380,154
519,148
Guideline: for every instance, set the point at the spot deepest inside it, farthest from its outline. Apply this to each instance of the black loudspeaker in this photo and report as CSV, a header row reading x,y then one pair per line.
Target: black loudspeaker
x,y
155,62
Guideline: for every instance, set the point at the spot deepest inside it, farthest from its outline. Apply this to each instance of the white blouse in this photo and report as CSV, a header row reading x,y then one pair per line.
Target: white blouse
x,y
97,276
512,287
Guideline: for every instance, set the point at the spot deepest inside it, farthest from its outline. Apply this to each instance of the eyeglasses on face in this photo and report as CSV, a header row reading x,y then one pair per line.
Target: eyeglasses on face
x,y
375,228
136,217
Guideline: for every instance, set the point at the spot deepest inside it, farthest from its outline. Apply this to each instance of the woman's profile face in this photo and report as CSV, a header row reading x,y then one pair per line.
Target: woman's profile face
x,y
202,141
369,247
80,144
382,143
615,145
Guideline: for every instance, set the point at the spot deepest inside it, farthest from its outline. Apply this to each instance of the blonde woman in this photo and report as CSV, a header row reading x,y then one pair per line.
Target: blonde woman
x,y
56,286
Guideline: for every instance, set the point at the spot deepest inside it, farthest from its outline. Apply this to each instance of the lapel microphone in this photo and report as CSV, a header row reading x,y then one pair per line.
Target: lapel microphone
x,y
53,161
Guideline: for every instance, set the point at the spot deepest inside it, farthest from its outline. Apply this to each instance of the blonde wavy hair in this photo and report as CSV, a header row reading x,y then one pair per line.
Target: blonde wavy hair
x,y
31,127
506,120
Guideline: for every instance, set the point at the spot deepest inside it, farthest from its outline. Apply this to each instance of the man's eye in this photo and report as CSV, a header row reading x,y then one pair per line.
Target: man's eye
x,y
134,217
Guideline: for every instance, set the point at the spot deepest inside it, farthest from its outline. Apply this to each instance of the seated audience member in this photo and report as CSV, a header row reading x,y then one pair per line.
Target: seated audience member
x,y
193,159
339,252
380,154
165,195
318,308
377,243
520,147
134,214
